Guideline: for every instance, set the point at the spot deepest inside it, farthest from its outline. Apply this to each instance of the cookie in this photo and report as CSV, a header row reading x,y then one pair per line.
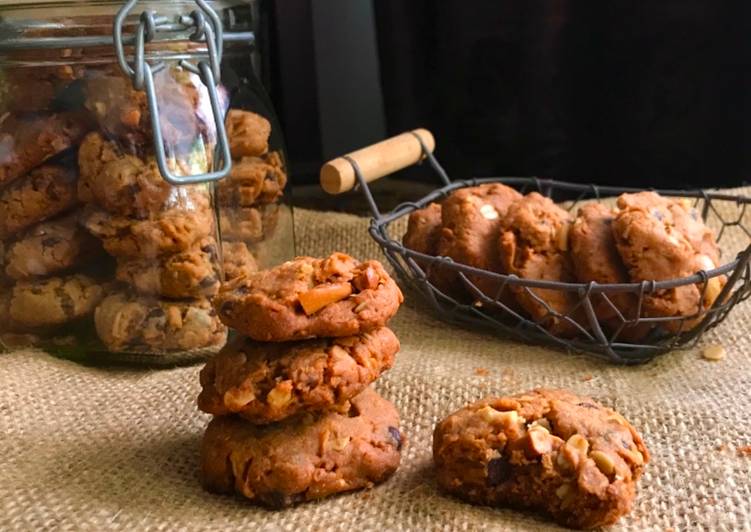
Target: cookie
x,y
237,259
471,220
248,133
595,258
424,230
49,248
548,451
122,112
128,185
172,231
253,181
26,143
47,191
48,83
534,245
249,224
54,301
303,459
265,382
652,240
190,274
308,297
125,321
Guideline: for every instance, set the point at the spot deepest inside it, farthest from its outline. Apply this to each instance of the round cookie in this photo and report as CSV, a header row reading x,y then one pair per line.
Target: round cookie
x,y
595,258
471,219
26,143
534,245
54,301
192,273
128,185
122,112
264,382
655,247
253,181
44,193
248,133
305,458
125,321
237,260
249,224
546,450
424,230
49,248
172,231
308,297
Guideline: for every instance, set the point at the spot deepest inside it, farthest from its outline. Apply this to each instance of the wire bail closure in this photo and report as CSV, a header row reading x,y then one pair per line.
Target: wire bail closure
x,y
206,27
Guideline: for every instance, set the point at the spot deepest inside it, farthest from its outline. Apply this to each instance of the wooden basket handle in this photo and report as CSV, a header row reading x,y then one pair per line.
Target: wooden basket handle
x,y
376,161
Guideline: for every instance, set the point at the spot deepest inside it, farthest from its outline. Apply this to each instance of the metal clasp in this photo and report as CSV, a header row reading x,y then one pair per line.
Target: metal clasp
x,y
206,26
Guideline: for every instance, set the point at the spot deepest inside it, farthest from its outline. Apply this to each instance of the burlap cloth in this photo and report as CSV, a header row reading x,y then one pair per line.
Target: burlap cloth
x,y
94,449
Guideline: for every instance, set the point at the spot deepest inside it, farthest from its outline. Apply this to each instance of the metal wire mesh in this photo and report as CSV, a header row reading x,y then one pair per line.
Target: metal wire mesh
x,y
628,336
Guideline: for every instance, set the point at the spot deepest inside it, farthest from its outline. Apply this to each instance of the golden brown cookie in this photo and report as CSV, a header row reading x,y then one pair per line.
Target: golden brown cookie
x,y
237,259
309,297
54,301
172,231
471,219
424,230
193,273
546,450
264,383
304,458
534,245
595,258
27,142
652,235
253,181
248,133
47,191
127,321
129,185
249,224
49,248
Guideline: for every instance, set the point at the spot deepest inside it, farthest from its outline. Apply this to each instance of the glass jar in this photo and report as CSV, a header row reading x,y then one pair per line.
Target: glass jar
x,y
116,229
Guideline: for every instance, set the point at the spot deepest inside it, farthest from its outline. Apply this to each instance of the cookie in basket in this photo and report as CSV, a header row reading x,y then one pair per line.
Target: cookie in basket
x,y
595,258
45,192
309,297
423,232
546,450
304,458
534,245
264,382
50,247
126,321
652,234
471,220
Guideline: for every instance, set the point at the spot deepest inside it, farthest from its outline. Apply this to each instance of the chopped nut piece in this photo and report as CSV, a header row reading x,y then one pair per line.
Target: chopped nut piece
x,y
714,352
539,441
366,280
508,418
542,423
339,444
317,298
635,456
579,443
236,398
603,461
564,490
281,395
362,306
489,212
562,237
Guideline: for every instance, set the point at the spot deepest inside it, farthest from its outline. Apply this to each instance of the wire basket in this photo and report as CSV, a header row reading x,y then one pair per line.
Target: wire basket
x,y
490,312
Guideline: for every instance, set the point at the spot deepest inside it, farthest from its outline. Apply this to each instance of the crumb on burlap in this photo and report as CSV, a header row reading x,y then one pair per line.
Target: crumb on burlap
x,y
744,451
482,372
588,377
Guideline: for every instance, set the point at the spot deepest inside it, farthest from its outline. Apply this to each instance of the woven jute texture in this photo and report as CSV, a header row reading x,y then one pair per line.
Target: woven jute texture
x,y
86,448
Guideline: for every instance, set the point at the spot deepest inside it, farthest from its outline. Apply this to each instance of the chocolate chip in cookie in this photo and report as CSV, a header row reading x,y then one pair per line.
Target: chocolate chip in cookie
x,y
546,450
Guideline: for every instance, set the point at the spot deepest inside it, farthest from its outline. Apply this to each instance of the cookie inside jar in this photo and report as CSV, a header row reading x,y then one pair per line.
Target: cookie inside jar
x,y
102,257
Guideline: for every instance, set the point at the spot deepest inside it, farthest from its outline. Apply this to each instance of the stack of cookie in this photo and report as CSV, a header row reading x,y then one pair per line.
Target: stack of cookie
x,y
44,252
249,196
647,237
164,238
295,418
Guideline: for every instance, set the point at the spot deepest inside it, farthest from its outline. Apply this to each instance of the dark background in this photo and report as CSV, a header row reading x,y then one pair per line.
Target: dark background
x,y
647,94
